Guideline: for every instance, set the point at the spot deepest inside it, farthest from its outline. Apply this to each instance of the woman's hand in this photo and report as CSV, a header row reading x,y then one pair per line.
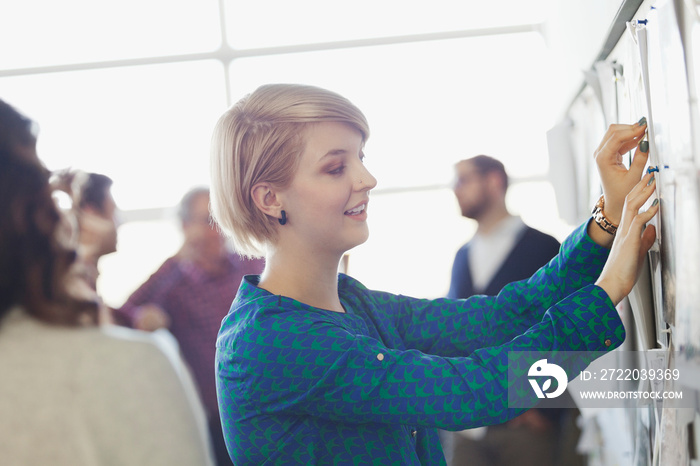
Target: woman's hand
x,y
631,243
616,179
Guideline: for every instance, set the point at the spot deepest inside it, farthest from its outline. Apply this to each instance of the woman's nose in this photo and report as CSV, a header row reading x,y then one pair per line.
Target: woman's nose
x,y
365,180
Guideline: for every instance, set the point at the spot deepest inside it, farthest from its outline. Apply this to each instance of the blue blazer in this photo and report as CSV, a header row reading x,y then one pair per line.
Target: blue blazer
x,y
532,250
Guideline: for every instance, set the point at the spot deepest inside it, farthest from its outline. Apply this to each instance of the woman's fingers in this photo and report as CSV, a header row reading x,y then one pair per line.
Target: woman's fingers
x,y
610,132
648,238
641,191
639,161
630,246
616,178
634,201
629,144
642,218
618,140
632,240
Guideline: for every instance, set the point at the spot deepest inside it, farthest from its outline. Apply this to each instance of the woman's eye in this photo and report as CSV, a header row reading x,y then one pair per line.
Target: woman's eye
x,y
337,170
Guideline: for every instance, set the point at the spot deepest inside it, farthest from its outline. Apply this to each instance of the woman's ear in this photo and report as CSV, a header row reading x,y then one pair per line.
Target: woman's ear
x,y
265,198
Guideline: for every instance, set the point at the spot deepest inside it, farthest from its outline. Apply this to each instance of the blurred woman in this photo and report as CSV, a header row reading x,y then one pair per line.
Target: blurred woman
x,y
73,393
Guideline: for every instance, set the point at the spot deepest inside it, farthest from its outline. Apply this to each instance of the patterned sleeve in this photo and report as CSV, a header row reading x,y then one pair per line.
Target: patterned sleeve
x,y
290,363
458,327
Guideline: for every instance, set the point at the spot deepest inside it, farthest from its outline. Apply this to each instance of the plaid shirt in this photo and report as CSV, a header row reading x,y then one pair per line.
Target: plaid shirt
x,y
196,303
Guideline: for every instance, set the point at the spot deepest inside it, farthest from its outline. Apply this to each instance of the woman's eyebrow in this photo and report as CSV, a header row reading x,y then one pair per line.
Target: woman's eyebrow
x,y
333,153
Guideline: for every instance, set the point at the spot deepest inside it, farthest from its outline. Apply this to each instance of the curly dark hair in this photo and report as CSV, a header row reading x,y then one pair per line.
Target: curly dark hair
x,y
34,264
95,191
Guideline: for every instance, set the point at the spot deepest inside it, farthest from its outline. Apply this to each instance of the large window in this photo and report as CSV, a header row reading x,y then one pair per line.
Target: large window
x,y
132,90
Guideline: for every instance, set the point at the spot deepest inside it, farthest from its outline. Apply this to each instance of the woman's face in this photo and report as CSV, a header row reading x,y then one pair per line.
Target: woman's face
x,y
326,201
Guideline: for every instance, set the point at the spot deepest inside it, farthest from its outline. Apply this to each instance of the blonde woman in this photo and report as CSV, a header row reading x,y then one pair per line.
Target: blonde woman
x,y
314,368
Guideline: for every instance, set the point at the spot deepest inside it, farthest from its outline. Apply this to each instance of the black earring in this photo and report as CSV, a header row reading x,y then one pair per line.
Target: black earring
x,y
283,220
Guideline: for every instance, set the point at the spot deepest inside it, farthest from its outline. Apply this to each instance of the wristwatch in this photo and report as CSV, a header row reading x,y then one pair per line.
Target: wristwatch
x,y
600,219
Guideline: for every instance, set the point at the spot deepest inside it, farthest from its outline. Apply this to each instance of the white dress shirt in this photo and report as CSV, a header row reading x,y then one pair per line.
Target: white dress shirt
x,y
487,252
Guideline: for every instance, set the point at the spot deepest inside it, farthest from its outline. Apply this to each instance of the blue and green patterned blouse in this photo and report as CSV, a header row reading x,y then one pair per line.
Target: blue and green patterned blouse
x,y
301,385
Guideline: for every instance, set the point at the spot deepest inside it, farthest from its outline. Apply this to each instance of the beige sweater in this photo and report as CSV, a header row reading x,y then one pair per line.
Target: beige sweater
x,y
94,396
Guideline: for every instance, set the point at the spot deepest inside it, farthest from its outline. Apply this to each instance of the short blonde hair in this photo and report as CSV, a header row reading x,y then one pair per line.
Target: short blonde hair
x,y
260,139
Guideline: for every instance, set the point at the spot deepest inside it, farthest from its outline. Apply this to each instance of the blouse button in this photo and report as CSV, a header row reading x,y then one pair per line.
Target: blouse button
x,y
608,342
380,356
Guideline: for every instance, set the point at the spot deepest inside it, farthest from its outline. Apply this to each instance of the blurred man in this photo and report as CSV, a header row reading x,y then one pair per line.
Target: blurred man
x,y
190,294
502,250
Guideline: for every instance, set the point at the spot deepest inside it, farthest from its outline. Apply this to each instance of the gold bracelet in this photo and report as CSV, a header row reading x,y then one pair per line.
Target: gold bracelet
x,y
600,219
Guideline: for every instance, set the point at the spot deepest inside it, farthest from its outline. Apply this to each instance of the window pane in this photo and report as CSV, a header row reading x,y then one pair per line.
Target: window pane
x,y
268,23
49,32
146,127
142,248
414,236
431,104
